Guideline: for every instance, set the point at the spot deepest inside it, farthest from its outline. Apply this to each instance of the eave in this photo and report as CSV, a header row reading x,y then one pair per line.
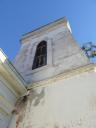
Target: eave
x,y
10,74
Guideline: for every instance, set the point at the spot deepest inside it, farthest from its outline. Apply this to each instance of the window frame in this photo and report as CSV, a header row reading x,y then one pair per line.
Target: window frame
x,y
40,58
49,53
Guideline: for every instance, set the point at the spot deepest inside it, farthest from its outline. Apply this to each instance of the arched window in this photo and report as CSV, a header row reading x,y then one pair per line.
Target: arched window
x,y
40,58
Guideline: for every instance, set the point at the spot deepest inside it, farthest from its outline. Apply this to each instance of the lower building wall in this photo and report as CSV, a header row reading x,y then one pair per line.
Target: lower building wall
x,y
69,103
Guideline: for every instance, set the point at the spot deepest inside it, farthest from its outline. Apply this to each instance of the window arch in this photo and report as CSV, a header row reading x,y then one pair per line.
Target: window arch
x,y
40,58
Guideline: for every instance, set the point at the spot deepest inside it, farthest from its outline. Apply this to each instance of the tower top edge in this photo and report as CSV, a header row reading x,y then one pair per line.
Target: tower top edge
x,y
46,27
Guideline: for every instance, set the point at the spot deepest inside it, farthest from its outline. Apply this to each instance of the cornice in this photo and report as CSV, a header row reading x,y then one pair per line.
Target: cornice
x,y
46,28
66,75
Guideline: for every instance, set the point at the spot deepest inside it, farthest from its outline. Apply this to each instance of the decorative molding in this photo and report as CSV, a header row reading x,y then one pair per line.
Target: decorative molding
x,y
66,75
47,28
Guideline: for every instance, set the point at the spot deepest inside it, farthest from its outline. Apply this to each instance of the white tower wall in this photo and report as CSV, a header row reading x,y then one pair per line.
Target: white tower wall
x,y
63,53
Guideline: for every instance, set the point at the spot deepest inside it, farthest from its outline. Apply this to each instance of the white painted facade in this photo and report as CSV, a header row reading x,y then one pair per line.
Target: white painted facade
x,y
66,103
63,53
61,94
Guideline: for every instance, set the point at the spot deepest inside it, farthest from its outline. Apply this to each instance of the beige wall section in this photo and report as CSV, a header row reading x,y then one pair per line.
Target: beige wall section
x,y
66,103
63,53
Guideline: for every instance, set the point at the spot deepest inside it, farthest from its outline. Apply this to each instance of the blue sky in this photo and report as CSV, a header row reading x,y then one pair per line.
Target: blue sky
x,y
20,16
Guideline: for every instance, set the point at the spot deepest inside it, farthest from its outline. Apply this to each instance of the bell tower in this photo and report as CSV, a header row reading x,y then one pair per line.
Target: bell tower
x,y
49,51
61,81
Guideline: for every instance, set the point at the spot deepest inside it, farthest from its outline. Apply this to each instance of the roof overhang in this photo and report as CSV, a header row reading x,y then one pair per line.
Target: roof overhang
x,y
10,74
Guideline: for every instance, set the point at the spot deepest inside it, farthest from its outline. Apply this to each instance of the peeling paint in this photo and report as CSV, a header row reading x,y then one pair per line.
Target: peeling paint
x,y
65,104
35,96
20,110
22,105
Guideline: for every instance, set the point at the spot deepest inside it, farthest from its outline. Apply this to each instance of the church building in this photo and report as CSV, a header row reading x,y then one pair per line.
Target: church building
x,y
50,84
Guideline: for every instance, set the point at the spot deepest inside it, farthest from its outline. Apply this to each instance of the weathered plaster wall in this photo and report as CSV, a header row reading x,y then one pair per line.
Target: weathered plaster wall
x,y
63,54
66,103
69,103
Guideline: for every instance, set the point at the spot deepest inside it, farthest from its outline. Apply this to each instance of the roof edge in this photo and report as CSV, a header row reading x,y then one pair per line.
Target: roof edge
x,y
46,27
12,75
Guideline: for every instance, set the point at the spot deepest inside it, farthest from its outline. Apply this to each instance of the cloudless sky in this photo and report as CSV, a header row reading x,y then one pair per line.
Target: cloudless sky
x,y
20,16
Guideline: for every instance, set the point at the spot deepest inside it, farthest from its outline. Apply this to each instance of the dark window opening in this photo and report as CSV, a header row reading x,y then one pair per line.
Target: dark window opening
x,y
40,58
